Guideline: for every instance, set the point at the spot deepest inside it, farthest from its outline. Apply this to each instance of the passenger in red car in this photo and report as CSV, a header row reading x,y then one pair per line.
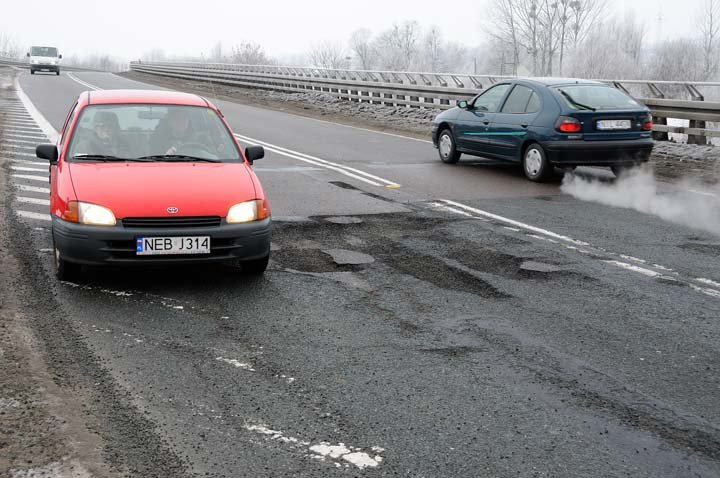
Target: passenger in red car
x,y
103,139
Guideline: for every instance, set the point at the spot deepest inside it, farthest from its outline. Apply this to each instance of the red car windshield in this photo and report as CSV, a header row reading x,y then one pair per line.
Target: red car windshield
x,y
151,133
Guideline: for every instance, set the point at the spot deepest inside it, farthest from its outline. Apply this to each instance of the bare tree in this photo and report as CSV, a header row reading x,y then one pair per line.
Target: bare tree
x,y
709,27
156,54
329,55
678,59
398,46
248,53
362,46
610,50
505,27
543,28
216,52
9,48
433,50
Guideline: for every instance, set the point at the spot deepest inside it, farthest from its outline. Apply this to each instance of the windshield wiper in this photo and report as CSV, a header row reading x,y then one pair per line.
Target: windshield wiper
x,y
105,158
572,100
179,157
97,157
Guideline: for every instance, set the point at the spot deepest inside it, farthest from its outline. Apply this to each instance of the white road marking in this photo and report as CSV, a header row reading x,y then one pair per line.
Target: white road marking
x,y
235,363
36,137
542,238
23,116
709,282
40,120
633,259
33,189
19,141
39,202
15,129
30,123
340,454
34,215
630,267
703,193
706,291
17,153
514,223
30,163
342,169
31,178
20,168
78,80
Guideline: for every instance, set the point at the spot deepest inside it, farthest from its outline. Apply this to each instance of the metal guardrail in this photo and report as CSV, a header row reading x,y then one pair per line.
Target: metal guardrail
x,y
434,90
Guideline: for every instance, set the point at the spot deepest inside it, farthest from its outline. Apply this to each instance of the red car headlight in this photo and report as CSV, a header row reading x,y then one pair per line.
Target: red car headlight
x,y
90,214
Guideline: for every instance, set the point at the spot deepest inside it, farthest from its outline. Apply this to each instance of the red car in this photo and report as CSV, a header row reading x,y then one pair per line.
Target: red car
x,y
153,178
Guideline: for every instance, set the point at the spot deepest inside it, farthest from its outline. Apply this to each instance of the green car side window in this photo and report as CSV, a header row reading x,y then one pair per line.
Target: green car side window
x,y
490,100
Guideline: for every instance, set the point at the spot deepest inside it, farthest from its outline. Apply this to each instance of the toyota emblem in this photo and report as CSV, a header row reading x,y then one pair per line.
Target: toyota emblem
x,y
172,210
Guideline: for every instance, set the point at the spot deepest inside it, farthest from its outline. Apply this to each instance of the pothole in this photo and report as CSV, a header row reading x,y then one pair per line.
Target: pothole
x,y
308,260
344,257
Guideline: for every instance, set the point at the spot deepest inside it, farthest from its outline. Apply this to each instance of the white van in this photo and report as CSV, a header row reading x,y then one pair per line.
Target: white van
x,y
44,58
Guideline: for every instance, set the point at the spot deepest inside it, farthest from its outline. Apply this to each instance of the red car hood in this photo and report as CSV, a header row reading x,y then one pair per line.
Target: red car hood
x,y
149,189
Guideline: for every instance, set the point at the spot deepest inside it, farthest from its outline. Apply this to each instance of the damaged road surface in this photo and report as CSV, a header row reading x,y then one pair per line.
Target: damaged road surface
x,y
499,331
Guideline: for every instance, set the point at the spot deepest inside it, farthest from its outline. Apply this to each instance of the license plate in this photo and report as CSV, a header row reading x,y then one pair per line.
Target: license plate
x,y
157,246
614,124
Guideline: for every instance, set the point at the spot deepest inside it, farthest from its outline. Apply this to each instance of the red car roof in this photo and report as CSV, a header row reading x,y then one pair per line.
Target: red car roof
x,y
109,97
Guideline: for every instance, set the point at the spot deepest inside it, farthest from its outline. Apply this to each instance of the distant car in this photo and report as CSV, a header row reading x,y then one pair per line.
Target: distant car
x,y
44,58
153,178
548,122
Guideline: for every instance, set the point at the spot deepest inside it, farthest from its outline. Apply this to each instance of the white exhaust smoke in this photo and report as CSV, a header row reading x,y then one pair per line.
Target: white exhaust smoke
x,y
687,204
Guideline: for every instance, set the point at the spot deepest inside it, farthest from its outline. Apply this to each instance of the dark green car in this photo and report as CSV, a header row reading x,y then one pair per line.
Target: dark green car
x,y
548,122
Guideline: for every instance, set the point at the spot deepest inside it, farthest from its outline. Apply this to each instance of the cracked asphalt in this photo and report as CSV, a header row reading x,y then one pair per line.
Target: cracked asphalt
x,y
466,324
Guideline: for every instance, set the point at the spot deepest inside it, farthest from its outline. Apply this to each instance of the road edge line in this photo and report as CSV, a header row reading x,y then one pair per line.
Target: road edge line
x,y
40,120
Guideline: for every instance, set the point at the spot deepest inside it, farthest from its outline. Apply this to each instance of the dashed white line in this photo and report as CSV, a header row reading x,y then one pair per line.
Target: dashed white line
x,y
514,223
631,267
17,153
703,193
31,178
19,141
236,363
34,131
29,163
339,454
27,200
704,290
33,189
37,137
709,282
34,215
21,168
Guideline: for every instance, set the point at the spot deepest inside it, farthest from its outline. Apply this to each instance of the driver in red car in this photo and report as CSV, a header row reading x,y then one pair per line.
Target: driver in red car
x,y
176,131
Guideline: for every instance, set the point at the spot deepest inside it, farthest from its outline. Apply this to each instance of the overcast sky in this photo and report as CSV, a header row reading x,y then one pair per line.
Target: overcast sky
x,y
127,28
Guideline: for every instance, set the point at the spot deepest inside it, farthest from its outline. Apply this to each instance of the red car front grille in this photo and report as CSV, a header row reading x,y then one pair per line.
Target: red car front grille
x,y
171,222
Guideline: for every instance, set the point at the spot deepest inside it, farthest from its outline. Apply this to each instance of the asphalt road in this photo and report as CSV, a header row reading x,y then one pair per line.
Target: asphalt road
x,y
418,319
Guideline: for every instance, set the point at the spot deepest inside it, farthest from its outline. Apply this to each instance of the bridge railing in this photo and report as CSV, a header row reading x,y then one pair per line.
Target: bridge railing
x,y
666,99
